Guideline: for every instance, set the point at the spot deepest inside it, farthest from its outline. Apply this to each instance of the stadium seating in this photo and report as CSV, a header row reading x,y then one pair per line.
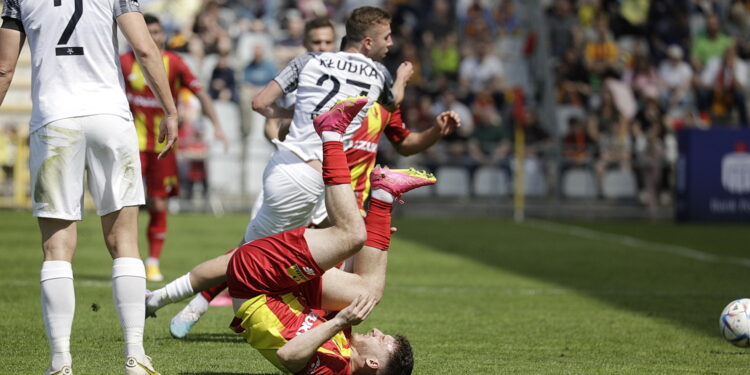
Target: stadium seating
x,y
452,182
619,184
491,182
579,183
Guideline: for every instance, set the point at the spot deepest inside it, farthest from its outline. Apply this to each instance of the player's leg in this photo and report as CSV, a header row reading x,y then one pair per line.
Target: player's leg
x,y
369,264
113,163
185,319
56,165
162,183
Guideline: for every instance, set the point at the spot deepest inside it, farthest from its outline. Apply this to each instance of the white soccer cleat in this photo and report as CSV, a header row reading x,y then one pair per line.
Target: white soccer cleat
x,y
65,370
184,321
143,367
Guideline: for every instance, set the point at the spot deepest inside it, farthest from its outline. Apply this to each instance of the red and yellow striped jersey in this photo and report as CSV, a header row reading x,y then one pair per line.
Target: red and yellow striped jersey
x,y
362,149
269,321
147,112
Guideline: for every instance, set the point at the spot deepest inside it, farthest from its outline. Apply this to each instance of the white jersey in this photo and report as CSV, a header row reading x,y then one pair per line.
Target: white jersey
x,y
322,79
75,65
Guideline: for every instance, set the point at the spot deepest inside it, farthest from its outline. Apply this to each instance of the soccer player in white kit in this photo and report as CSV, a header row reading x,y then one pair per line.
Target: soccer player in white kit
x,y
81,122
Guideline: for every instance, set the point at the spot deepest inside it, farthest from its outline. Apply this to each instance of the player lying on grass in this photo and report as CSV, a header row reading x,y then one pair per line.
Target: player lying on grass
x,y
283,284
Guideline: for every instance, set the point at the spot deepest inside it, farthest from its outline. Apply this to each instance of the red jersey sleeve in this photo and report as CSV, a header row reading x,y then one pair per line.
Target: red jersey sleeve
x,y
326,364
396,130
185,75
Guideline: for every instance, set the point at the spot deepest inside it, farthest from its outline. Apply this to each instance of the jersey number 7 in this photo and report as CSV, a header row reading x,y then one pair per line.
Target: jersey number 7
x,y
335,89
69,51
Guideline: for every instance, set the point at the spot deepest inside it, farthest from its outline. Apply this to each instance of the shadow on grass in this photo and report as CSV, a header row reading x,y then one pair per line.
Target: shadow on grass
x,y
653,283
211,337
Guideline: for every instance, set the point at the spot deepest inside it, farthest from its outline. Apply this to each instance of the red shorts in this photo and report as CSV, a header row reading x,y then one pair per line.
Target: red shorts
x,y
160,175
277,264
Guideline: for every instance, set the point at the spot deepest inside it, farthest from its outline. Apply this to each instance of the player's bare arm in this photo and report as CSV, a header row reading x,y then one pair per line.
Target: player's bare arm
x,y
149,57
445,123
295,354
207,106
403,75
11,42
265,102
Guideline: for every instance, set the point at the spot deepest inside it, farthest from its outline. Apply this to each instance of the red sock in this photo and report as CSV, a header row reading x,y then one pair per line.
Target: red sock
x,y
335,167
157,232
211,293
378,223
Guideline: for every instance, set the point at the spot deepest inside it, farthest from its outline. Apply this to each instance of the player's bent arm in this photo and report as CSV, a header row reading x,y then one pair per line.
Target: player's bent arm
x,y
265,102
403,75
271,128
295,354
11,42
445,123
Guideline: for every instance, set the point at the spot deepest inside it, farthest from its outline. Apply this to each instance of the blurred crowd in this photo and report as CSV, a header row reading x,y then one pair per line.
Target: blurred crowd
x,y
627,74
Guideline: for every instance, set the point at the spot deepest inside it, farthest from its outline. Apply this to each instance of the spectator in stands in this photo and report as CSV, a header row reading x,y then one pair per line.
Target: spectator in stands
x,y
482,68
614,143
489,143
649,131
722,87
711,43
601,53
642,76
223,85
562,26
738,27
676,78
441,20
445,57
578,146
260,70
573,81
669,26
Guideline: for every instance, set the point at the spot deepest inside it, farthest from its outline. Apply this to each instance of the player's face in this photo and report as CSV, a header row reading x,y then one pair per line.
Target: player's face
x,y
381,40
320,40
374,344
157,34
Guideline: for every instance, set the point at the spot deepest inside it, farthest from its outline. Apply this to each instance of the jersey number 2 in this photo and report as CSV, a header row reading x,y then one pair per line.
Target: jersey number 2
x,y
335,89
69,51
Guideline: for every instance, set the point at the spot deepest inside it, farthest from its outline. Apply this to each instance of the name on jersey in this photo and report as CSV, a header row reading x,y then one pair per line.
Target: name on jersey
x,y
144,101
362,145
349,66
307,324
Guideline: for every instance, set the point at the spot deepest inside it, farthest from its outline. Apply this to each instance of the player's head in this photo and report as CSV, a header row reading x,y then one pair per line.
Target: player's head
x,y
383,354
320,35
369,29
155,29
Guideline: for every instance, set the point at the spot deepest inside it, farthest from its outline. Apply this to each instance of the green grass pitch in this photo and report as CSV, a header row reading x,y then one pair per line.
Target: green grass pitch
x,y
474,297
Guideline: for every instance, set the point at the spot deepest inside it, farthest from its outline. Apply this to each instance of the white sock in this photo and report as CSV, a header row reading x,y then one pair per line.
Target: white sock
x,y
179,289
199,304
382,195
327,136
152,261
128,289
58,308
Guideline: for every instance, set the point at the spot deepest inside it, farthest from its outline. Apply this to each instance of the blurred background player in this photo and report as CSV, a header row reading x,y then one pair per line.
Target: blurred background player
x,y
160,175
81,125
282,284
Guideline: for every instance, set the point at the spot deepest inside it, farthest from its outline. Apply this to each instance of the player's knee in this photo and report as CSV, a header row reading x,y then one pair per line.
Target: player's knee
x,y
358,234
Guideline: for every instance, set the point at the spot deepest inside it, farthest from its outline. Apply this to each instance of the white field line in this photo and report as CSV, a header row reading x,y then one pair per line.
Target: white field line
x,y
637,243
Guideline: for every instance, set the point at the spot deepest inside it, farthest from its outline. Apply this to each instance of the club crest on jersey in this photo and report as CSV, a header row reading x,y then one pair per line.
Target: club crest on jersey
x,y
295,272
350,66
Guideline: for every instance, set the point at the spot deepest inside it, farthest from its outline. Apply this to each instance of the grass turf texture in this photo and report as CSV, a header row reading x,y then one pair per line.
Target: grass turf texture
x,y
473,296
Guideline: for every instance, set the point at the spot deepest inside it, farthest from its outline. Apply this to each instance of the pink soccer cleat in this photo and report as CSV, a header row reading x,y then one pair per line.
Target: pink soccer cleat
x,y
399,181
339,116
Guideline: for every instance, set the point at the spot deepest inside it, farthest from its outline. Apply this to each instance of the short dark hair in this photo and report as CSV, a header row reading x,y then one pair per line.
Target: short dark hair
x,y
362,19
151,19
318,23
402,359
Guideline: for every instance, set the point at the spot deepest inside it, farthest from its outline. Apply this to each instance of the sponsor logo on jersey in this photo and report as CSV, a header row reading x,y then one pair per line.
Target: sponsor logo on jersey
x,y
735,170
144,101
296,274
307,324
362,69
365,146
309,271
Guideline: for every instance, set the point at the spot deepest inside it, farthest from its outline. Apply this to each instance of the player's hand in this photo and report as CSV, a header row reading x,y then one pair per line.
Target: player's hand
x,y
168,133
357,311
448,121
221,137
405,71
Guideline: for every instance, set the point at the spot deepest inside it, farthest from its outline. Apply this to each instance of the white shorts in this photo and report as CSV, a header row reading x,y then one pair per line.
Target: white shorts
x,y
104,146
291,192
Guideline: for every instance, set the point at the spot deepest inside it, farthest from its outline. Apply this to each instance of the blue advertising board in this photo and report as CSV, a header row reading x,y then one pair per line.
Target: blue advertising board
x,y
713,175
